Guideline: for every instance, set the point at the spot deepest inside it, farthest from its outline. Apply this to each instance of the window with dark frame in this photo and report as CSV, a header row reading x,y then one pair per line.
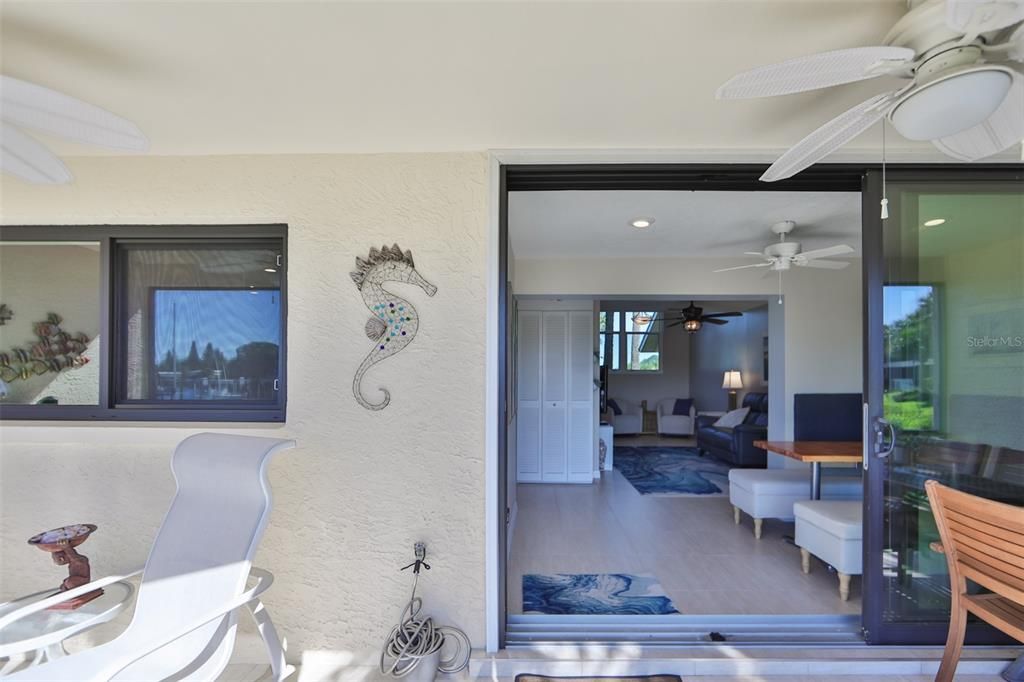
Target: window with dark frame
x,y
154,324
630,341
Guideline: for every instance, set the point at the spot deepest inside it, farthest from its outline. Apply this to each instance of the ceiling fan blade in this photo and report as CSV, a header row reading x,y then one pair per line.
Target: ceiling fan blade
x,y
1015,45
825,264
30,160
730,314
1003,129
837,250
714,321
35,107
830,137
821,70
759,254
982,16
744,267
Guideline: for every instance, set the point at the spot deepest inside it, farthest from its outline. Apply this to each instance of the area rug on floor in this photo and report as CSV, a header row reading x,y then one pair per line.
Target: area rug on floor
x,y
672,471
526,677
600,594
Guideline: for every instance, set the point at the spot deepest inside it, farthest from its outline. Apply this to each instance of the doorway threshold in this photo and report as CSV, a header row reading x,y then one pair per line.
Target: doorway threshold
x,y
684,630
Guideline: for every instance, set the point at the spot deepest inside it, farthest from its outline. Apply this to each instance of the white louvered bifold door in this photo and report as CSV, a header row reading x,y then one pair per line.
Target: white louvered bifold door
x,y
581,397
528,419
554,386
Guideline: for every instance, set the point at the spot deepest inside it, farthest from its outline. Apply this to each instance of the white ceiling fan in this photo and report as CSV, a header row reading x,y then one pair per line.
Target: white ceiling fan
x,y
782,255
31,106
965,91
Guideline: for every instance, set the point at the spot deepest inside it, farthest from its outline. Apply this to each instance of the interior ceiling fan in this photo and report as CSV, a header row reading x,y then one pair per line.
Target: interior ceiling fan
x,y
33,107
782,255
962,60
693,318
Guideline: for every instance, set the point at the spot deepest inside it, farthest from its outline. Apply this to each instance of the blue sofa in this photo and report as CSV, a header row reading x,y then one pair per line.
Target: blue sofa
x,y
736,446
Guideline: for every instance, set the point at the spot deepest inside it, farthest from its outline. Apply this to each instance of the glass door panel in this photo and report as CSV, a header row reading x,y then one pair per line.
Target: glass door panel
x,y
945,377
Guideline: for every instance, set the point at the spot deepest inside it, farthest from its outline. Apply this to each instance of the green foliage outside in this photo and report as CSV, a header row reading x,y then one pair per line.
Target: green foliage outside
x,y
909,415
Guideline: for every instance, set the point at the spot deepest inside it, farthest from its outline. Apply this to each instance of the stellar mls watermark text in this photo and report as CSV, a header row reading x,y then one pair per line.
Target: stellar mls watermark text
x,y
995,342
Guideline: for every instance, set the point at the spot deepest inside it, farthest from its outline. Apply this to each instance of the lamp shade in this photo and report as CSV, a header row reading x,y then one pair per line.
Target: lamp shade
x,y
731,380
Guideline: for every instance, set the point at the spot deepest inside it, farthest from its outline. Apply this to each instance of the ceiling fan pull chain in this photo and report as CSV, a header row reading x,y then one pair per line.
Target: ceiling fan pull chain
x,y
885,198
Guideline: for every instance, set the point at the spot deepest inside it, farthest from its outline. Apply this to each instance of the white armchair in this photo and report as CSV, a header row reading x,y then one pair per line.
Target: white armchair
x,y
675,424
195,580
631,421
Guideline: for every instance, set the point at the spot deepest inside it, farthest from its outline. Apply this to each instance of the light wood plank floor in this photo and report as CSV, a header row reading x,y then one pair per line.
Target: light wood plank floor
x,y
706,564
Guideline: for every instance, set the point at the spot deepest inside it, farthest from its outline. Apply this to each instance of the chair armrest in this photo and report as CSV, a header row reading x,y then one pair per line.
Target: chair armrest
x,y
264,579
60,597
705,420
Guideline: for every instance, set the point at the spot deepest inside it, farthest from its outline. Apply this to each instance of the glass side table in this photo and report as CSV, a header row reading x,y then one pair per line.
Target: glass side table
x,y
41,635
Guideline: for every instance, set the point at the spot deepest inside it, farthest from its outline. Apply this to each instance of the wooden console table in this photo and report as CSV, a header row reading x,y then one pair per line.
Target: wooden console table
x,y
815,452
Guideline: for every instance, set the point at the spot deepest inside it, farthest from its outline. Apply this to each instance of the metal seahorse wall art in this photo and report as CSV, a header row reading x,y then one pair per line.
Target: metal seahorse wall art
x,y
394,321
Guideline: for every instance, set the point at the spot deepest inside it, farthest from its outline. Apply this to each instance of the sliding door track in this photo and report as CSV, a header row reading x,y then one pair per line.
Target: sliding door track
x,y
826,630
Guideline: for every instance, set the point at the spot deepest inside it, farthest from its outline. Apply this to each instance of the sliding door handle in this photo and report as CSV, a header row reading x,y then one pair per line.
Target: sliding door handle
x,y
885,438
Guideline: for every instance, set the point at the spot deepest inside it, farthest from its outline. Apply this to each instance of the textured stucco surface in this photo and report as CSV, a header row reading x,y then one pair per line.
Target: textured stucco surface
x,y
362,486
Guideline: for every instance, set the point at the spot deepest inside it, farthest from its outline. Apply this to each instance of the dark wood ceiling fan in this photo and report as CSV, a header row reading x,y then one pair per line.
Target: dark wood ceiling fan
x,y
693,318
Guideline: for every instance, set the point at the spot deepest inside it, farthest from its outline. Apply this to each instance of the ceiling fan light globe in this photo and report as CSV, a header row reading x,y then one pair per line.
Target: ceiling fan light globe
x,y
692,326
951,104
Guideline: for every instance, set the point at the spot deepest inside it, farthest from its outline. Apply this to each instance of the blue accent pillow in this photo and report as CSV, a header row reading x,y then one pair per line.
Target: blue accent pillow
x,y
682,406
614,407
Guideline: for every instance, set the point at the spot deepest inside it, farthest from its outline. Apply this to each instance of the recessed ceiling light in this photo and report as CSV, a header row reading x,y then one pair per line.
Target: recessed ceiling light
x,y
269,269
934,222
641,223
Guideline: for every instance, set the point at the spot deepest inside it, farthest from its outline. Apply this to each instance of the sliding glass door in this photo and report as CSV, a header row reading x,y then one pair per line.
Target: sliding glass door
x,y
944,377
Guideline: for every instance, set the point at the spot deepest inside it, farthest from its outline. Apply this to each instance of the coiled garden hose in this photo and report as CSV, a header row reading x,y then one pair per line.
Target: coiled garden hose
x,y
414,639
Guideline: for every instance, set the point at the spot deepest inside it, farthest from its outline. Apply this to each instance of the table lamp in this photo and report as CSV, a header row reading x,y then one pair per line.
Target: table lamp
x,y
732,382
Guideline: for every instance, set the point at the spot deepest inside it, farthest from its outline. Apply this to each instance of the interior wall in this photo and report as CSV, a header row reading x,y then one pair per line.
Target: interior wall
x,y
362,486
737,345
821,311
673,381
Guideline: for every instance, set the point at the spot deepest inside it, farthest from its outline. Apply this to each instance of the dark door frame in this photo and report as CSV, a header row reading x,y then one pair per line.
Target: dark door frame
x,y
875,630
518,177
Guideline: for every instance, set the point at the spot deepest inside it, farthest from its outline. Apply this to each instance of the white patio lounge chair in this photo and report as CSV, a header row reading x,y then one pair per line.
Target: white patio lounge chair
x,y
194,581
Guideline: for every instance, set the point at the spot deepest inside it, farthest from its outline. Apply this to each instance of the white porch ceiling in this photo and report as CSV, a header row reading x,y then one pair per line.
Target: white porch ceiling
x,y
687,224
337,77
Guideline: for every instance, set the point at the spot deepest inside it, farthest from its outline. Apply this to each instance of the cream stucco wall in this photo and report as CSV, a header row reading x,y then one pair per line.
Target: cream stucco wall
x,y
362,486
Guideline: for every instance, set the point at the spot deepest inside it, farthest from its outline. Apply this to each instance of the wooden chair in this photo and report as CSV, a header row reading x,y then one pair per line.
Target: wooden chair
x,y
983,542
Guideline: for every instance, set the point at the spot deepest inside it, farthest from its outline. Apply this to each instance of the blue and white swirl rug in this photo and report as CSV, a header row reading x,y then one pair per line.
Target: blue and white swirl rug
x,y
672,471
601,594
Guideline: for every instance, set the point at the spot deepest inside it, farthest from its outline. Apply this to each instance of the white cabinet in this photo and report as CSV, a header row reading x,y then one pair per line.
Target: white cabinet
x,y
555,437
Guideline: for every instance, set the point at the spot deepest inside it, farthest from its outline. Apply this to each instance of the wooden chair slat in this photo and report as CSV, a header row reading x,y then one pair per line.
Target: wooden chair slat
x,y
1000,613
991,536
1006,561
983,541
993,513
992,580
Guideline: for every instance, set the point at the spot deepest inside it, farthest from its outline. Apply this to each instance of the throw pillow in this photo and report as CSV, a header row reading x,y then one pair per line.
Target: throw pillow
x,y
614,407
682,407
734,418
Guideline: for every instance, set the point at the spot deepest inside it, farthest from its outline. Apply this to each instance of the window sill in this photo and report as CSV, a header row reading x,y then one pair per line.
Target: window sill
x,y
88,413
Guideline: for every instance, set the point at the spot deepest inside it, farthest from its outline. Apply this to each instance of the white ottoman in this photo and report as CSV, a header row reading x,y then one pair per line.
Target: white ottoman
x,y
831,530
771,493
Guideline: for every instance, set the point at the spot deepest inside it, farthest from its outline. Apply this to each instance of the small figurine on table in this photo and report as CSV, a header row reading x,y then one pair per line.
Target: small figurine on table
x,y
61,543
